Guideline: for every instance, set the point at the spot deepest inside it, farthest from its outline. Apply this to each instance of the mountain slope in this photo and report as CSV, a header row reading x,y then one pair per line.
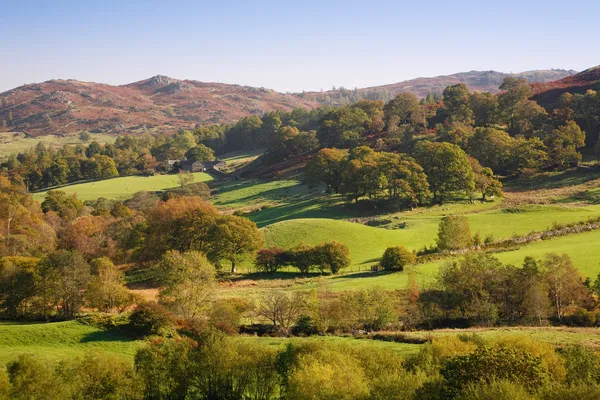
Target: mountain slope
x,y
548,93
482,81
162,103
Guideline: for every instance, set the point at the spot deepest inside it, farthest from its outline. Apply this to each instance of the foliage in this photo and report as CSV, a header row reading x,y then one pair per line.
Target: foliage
x,y
396,258
454,233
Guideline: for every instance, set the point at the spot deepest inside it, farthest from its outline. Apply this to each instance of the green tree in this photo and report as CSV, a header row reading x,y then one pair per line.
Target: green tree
x,y
189,282
270,259
485,108
85,137
328,166
564,281
454,233
235,237
448,169
396,258
200,153
515,90
492,148
457,103
106,290
404,109
32,378
563,144
332,256
64,205
343,128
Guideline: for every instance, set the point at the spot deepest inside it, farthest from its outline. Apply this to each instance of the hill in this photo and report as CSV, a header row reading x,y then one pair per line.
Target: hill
x,y
160,103
482,81
547,93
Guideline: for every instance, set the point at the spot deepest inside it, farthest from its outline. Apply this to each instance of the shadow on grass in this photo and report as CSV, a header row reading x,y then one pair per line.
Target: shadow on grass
x,y
554,180
365,274
113,335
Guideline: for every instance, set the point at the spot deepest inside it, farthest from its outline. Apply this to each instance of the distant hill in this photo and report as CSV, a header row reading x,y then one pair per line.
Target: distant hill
x,y
482,81
160,103
163,104
547,93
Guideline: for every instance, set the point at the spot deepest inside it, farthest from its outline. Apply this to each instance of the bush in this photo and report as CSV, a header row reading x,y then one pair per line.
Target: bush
x,y
304,327
150,319
396,258
497,390
582,365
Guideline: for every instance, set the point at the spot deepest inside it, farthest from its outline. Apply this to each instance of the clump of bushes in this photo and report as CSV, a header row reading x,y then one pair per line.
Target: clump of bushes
x,y
150,318
330,256
396,258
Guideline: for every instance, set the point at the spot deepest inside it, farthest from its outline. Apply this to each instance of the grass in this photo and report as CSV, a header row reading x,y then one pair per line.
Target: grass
x,y
59,340
403,349
123,188
15,142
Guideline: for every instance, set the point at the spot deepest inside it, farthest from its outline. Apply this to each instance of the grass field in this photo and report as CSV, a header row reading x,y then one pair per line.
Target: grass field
x,y
123,188
59,340
279,342
14,142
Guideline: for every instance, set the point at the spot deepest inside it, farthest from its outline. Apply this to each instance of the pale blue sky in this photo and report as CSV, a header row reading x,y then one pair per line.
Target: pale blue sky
x,y
290,46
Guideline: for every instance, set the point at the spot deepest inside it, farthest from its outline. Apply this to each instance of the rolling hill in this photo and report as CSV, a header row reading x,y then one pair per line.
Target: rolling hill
x,y
160,103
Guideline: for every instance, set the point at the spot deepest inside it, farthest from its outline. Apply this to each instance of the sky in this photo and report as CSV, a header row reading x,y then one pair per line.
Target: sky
x,y
290,45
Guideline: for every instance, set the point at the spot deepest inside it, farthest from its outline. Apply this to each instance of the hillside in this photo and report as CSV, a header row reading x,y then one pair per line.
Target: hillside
x,y
482,81
160,103
547,93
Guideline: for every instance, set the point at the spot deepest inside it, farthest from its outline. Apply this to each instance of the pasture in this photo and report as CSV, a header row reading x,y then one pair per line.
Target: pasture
x,y
122,188
16,142
58,340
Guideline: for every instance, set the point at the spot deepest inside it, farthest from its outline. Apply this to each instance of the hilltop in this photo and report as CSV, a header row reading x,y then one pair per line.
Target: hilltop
x,y
160,103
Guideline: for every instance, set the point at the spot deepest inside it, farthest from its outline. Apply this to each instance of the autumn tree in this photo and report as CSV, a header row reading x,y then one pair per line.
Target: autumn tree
x,y
332,256
67,206
270,259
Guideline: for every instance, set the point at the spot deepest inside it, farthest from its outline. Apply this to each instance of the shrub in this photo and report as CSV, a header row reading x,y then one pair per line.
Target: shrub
x,y
150,319
582,365
497,390
396,258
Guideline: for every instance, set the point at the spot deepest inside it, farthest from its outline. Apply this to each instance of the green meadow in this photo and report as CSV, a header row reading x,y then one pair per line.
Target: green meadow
x,y
16,142
58,340
123,188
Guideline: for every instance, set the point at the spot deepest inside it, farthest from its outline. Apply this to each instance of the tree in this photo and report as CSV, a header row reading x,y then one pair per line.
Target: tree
x,y
106,290
404,109
447,168
200,153
515,90
302,256
485,182
188,280
64,205
343,127
327,166
485,108
67,275
563,144
457,102
32,378
333,256
454,233
396,258
270,259
234,237
85,137
492,148
282,309
564,282
185,178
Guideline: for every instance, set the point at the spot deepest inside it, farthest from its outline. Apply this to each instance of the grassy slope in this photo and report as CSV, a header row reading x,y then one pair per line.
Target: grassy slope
x,y
59,340
124,187
9,144
368,243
